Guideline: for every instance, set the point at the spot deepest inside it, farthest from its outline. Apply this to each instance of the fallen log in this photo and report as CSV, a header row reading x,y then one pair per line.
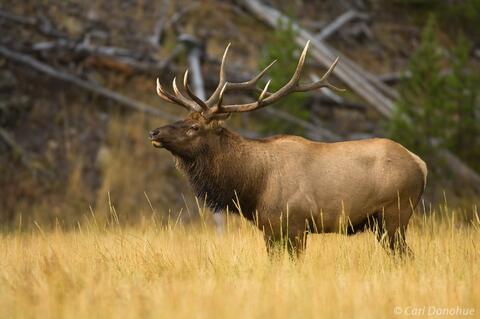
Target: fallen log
x,y
338,23
133,104
86,85
325,55
125,58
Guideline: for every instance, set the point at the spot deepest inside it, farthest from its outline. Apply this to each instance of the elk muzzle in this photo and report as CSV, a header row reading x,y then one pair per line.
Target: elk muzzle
x,y
158,135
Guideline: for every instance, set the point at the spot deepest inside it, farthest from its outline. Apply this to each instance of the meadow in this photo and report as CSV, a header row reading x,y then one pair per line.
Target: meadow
x,y
177,270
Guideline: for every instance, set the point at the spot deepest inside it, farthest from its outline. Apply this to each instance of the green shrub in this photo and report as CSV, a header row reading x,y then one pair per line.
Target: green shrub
x,y
283,48
437,105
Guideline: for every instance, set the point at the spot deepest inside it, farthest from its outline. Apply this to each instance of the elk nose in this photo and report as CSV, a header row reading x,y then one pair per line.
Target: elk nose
x,y
153,133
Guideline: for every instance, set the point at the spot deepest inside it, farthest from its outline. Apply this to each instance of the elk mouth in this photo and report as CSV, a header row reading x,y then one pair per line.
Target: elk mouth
x,y
155,138
157,144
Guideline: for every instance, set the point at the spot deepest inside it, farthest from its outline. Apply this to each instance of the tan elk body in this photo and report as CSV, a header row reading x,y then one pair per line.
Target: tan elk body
x,y
290,186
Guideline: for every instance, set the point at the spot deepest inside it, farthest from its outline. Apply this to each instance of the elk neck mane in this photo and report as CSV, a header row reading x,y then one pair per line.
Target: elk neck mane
x,y
227,173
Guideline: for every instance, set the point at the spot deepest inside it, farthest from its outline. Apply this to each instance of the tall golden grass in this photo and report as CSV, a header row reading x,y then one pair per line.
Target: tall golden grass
x,y
173,270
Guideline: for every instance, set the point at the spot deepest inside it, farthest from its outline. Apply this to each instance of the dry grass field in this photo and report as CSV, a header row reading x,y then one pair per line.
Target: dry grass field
x,y
189,271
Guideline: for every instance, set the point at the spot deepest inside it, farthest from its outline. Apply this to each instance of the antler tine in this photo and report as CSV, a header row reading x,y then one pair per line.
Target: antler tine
x,y
165,95
215,112
292,85
161,93
217,108
222,80
262,95
323,82
330,69
247,85
214,108
220,98
288,88
222,65
251,83
298,71
180,96
191,94
293,82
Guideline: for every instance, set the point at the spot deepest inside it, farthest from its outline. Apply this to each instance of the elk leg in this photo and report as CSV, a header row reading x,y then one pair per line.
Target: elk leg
x,y
273,245
390,228
295,244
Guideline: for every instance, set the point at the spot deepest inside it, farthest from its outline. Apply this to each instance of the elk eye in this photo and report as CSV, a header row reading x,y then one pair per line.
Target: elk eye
x,y
192,130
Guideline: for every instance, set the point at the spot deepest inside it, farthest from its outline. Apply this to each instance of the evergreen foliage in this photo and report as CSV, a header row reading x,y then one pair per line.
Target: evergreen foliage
x,y
283,48
439,106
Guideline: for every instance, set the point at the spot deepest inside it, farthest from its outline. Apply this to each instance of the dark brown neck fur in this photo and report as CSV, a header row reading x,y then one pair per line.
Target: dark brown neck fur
x,y
229,169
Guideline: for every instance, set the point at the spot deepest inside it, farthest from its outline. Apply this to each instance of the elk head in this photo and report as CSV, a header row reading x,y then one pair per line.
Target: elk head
x,y
203,125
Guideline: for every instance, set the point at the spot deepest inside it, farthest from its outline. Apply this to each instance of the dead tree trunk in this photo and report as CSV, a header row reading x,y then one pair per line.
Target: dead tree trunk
x,y
194,53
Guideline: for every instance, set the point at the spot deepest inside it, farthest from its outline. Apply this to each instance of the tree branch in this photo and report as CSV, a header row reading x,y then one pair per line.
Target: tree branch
x,y
86,85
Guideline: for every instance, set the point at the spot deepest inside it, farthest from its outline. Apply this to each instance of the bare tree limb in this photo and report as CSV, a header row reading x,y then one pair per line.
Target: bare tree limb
x,y
326,55
89,86
17,150
155,38
337,23
139,62
119,55
41,25
194,52
174,20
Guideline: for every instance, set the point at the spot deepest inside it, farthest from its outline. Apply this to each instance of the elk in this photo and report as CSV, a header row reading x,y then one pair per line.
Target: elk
x,y
287,185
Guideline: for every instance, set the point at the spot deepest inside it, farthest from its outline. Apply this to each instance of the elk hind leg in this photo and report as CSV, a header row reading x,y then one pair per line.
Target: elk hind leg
x,y
390,228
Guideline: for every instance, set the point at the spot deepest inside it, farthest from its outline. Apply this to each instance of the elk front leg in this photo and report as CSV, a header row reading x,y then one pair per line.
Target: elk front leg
x,y
281,234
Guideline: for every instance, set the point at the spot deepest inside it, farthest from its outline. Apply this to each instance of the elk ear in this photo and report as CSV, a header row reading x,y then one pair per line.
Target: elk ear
x,y
216,125
220,117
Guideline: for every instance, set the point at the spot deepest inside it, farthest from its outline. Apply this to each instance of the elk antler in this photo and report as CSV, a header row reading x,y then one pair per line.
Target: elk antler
x,y
214,108
177,98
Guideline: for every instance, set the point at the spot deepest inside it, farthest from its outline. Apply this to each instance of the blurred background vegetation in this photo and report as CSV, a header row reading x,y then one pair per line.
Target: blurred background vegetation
x,y
77,93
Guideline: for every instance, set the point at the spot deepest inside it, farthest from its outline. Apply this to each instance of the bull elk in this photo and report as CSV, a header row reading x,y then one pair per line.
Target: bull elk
x,y
290,186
